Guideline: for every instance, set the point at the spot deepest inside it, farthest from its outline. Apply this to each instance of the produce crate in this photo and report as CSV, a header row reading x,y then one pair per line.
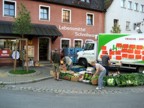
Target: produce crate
x,y
74,78
94,81
78,68
69,51
77,50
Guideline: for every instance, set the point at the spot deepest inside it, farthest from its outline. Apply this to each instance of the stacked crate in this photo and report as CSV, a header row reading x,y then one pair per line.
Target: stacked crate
x,y
72,53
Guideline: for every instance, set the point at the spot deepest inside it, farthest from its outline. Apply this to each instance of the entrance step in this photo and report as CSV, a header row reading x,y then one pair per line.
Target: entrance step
x,y
45,63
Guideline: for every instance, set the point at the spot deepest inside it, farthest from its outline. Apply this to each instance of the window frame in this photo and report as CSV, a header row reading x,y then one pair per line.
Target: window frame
x,y
64,9
92,19
89,40
65,39
48,14
128,25
74,41
15,9
136,5
123,3
86,1
142,8
130,5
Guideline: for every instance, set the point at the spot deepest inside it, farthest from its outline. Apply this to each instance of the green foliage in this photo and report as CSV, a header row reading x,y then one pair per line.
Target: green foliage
x,y
22,24
122,80
21,72
116,29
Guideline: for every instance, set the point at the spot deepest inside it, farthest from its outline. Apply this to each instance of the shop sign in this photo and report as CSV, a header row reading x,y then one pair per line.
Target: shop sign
x,y
78,31
30,51
4,53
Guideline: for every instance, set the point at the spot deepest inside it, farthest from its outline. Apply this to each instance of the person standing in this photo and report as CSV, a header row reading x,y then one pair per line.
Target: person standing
x,y
68,61
56,64
101,72
106,62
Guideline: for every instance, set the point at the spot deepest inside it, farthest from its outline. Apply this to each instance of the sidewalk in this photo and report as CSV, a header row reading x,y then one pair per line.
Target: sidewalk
x,y
24,82
42,73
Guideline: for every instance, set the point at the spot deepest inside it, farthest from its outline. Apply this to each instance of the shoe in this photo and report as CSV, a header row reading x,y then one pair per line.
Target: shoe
x,y
97,88
58,79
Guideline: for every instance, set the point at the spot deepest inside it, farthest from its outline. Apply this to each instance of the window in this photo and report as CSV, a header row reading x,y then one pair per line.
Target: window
x,y
130,5
89,46
65,43
44,13
90,19
142,8
66,16
78,43
7,44
136,6
127,25
9,8
123,3
115,22
87,1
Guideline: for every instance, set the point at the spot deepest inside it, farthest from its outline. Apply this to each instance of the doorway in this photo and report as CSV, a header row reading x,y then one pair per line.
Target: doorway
x,y
43,49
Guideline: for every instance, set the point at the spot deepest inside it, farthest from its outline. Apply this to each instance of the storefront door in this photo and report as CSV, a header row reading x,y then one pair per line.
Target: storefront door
x,y
43,49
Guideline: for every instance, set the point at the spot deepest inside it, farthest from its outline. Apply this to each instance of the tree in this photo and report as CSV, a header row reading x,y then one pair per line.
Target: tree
x,y
22,26
116,29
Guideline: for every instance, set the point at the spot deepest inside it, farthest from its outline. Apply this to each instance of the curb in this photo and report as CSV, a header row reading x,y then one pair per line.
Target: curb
x,y
25,82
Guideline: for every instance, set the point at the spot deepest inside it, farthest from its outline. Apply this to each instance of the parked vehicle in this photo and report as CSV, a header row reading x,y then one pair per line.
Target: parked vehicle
x,y
126,49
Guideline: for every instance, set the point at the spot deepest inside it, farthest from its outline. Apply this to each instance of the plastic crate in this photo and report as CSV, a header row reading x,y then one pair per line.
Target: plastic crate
x,y
78,68
74,59
77,50
69,51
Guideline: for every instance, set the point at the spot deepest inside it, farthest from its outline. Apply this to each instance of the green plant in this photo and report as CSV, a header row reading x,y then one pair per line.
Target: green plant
x,y
22,71
116,29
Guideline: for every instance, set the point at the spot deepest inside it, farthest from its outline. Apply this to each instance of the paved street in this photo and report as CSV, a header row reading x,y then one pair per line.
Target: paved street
x,y
43,82
41,90
69,87
29,99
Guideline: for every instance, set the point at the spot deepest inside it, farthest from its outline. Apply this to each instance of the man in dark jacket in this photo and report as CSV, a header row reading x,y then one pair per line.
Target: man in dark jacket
x,y
106,62
56,64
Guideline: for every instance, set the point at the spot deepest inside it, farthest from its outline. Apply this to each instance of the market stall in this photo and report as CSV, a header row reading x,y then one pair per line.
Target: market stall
x,y
85,75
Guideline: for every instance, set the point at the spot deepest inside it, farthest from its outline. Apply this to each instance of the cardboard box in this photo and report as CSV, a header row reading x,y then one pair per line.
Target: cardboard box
x,y
75,78
94,81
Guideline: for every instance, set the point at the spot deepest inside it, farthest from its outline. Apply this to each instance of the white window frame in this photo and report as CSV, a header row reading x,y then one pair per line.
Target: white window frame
x,y
15,7
62,15
92,19
123,3
136,6
128,25
89,40
130,5
142,8
86,1
40,12
65,39
77,40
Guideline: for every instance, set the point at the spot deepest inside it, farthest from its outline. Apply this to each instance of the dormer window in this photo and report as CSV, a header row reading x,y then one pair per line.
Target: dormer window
x,y
86,1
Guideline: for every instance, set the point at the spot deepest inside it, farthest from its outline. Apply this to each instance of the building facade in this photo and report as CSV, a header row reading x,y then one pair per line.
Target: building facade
x,y
56,24
127,14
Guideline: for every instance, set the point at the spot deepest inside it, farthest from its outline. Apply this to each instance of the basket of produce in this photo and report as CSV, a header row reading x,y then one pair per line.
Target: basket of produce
x,y
94,80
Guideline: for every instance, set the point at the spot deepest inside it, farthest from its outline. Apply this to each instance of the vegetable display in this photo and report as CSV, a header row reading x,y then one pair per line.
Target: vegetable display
x,y
122,80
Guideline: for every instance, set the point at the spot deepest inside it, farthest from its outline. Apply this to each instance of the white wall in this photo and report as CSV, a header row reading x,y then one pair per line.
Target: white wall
x,y
115,11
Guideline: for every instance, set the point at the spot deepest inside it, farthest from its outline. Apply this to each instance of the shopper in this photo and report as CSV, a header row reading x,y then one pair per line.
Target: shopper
x,y
68,61
106,62
56,64
101,72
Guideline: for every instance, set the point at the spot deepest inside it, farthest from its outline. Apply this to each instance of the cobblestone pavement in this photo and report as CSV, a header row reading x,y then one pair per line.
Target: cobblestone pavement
x,y
43,82
42,73
69,87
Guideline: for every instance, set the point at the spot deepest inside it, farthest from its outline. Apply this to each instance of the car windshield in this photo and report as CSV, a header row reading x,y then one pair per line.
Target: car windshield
x,y
89,46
